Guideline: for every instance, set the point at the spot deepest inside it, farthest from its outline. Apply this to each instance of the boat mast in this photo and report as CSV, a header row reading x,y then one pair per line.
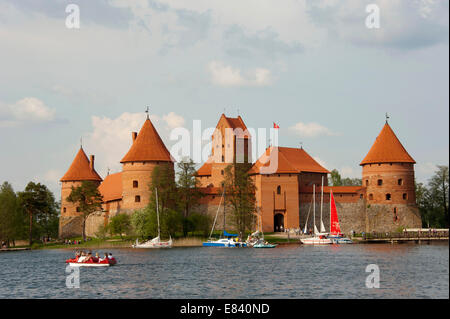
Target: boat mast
x,y
314,207
322,227
157,212
224,205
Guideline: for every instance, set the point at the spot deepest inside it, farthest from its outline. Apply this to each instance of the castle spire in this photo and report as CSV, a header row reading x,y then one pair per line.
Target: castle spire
x,y
80,169
148,146
387,149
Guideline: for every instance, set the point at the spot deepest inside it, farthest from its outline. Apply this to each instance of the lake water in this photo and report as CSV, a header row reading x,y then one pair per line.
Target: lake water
x,y
288,271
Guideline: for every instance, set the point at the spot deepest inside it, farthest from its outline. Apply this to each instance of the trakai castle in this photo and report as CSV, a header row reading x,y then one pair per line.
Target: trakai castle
x,y
283,176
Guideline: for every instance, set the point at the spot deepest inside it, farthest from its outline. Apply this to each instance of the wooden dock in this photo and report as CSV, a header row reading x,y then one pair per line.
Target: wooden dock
x,y
14,249
405,237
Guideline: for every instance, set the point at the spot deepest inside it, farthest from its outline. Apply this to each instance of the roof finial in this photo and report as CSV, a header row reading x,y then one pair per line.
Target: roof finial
x,y
146,111
301,145
238,112
81,142
387,118
108,172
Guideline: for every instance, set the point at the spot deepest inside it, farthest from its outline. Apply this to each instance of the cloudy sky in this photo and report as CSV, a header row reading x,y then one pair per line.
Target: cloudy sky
x,y
313,67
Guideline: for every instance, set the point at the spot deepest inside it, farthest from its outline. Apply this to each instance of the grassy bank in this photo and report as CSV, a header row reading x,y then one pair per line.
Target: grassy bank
x,y
96,243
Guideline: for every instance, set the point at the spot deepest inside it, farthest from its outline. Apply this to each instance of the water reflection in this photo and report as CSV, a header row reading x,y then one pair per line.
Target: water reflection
x,y
289,271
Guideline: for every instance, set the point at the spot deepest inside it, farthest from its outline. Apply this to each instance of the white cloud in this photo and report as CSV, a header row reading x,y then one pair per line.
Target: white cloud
x,y
29,109
225,75
173,120
311,129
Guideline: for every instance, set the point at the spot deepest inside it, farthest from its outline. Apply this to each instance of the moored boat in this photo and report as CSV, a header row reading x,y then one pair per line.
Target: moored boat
x,y
316,240
155,242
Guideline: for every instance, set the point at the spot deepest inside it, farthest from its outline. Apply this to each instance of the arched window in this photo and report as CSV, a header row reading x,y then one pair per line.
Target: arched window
x,y
135,184
380,182
222,172
371,196
278,189
405,196
388,196
367,182
400,181
64,209
137,199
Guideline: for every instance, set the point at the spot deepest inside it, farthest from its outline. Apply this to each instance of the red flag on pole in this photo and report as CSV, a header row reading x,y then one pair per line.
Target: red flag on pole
x,y
275,125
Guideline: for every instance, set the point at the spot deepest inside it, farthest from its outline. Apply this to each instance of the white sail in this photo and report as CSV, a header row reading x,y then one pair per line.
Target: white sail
x,y
316,231
322,226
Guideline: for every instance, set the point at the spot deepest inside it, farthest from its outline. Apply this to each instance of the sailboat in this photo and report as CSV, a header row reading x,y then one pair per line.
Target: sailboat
x,y
155,242
335,228
318,238
259,242
227,240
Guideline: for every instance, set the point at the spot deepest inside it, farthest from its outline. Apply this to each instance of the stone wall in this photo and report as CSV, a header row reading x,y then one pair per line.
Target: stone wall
x,y
383,218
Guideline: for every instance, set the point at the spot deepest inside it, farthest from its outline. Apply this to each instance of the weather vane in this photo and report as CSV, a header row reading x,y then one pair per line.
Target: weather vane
x,y
146,111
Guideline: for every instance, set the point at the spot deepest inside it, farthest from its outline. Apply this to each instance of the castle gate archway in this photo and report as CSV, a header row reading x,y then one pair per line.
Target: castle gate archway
x,y
278,222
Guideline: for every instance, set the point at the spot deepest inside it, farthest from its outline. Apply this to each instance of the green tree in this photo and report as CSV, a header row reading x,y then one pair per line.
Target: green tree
x,y
335,178
438,186
432,199
163,179
240,195
11,216
38,202
88,199
141,221
120,224
188,191
351,181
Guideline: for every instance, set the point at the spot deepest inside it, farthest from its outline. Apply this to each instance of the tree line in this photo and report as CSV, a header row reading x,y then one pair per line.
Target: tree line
x,y
31,214
432,199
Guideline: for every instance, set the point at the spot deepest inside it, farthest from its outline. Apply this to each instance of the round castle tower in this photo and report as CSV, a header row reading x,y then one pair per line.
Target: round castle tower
x,y
147,152
388,176
81,169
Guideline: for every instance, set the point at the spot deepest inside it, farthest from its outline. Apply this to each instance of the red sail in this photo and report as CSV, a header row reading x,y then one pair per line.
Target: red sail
x,y
335,229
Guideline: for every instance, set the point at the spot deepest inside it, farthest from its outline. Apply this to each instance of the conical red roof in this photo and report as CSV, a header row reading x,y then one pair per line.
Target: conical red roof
x,y
147,147
387,149
80,170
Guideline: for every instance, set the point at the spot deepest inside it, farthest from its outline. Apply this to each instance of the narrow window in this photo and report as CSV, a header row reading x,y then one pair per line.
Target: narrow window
x,y
380,182
221,172
371,196
135,184
361,196
400,181
137,199
388,196
367,182
395,214
78,209
405,196
279,190
64,209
